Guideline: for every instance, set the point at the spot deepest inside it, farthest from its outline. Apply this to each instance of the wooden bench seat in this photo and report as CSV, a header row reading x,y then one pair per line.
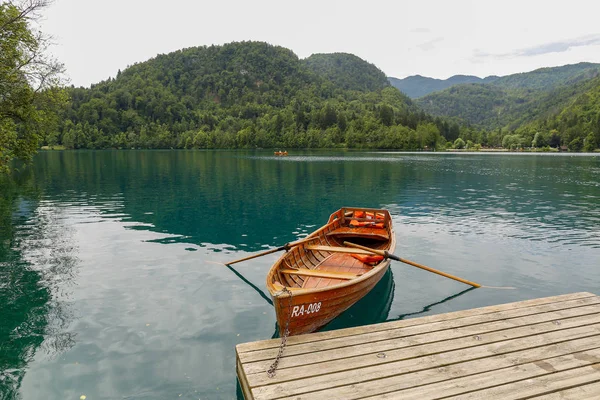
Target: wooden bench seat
x,y
334,249
366,232
319,274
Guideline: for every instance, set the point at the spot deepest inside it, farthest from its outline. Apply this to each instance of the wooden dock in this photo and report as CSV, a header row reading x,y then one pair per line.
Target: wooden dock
x,y
543,348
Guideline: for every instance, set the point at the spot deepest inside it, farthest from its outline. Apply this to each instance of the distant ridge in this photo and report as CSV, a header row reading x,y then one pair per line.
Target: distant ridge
x,y
548,78
516,100
418,86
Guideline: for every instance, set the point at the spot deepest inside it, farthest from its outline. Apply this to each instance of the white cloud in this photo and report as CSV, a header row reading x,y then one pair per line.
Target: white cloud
x,y
430,44
545,48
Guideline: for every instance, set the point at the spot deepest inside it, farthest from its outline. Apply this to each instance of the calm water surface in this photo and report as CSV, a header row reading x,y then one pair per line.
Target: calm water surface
x,y
108,281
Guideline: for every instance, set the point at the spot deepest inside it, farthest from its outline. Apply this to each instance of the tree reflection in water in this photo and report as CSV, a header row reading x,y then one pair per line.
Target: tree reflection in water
x,y
34,280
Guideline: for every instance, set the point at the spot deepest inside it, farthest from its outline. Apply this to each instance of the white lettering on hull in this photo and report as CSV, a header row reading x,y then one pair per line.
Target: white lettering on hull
x,y
298,311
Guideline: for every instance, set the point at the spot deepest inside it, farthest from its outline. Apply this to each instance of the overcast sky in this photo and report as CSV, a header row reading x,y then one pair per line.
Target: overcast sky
x,y
436,38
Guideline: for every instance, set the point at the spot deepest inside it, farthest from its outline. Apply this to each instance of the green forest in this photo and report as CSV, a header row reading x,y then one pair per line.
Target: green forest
x,y
256,95
546,108
247,95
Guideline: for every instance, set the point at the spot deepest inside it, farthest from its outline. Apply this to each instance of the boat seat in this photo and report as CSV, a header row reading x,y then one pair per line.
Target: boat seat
x,y
319,274
335,249
365,232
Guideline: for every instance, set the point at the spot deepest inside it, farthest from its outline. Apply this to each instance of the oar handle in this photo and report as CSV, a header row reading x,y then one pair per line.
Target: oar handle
x,y
285,247
386,254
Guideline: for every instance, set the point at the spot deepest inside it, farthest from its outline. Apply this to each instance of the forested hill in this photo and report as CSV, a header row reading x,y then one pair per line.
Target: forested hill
x,y
347,71
514,100
568,115
547,79
543,79
247,95
576,125
418,86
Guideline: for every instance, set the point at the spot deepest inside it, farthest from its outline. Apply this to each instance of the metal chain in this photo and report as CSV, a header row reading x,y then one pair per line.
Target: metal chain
x,y
286,332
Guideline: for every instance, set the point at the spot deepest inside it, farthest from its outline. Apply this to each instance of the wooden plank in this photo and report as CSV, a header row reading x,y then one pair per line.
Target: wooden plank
x,y
459,386
588,391
538,386
243,381
420,334
367,232
336,263
403,361
457,315
444,367
321,274
335,249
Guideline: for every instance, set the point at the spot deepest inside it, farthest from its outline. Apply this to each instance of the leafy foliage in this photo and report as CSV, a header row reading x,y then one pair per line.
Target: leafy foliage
x,y
28,82
548,79
559,108
576,125
347,71
477,104
247,95
499,106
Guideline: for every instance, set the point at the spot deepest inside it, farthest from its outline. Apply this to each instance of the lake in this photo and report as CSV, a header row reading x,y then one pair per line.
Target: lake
x,y
110,282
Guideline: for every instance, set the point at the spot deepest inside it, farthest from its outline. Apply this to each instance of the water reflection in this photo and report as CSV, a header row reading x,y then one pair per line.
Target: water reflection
x,y
36,269
207,198
253,286
426,309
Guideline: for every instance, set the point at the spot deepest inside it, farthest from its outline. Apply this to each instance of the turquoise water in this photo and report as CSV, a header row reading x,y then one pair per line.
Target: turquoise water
x,y
110,285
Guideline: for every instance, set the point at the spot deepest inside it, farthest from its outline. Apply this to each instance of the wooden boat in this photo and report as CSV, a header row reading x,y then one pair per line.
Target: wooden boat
x,y
281,153
323,276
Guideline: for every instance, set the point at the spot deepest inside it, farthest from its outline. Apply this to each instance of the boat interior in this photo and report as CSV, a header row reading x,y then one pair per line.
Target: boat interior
x,y
324,260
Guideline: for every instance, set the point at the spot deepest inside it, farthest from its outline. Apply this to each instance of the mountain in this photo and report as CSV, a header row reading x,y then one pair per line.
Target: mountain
x,y
478,104
418,86
247,95
256,95
543,79
347,71
575,124
514,100
547,79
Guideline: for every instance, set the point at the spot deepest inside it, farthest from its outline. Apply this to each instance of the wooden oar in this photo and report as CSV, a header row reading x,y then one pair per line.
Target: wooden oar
x,y
414,264
286,247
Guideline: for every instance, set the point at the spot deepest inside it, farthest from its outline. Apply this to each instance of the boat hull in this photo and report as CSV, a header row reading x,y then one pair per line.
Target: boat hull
x,y
311,311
